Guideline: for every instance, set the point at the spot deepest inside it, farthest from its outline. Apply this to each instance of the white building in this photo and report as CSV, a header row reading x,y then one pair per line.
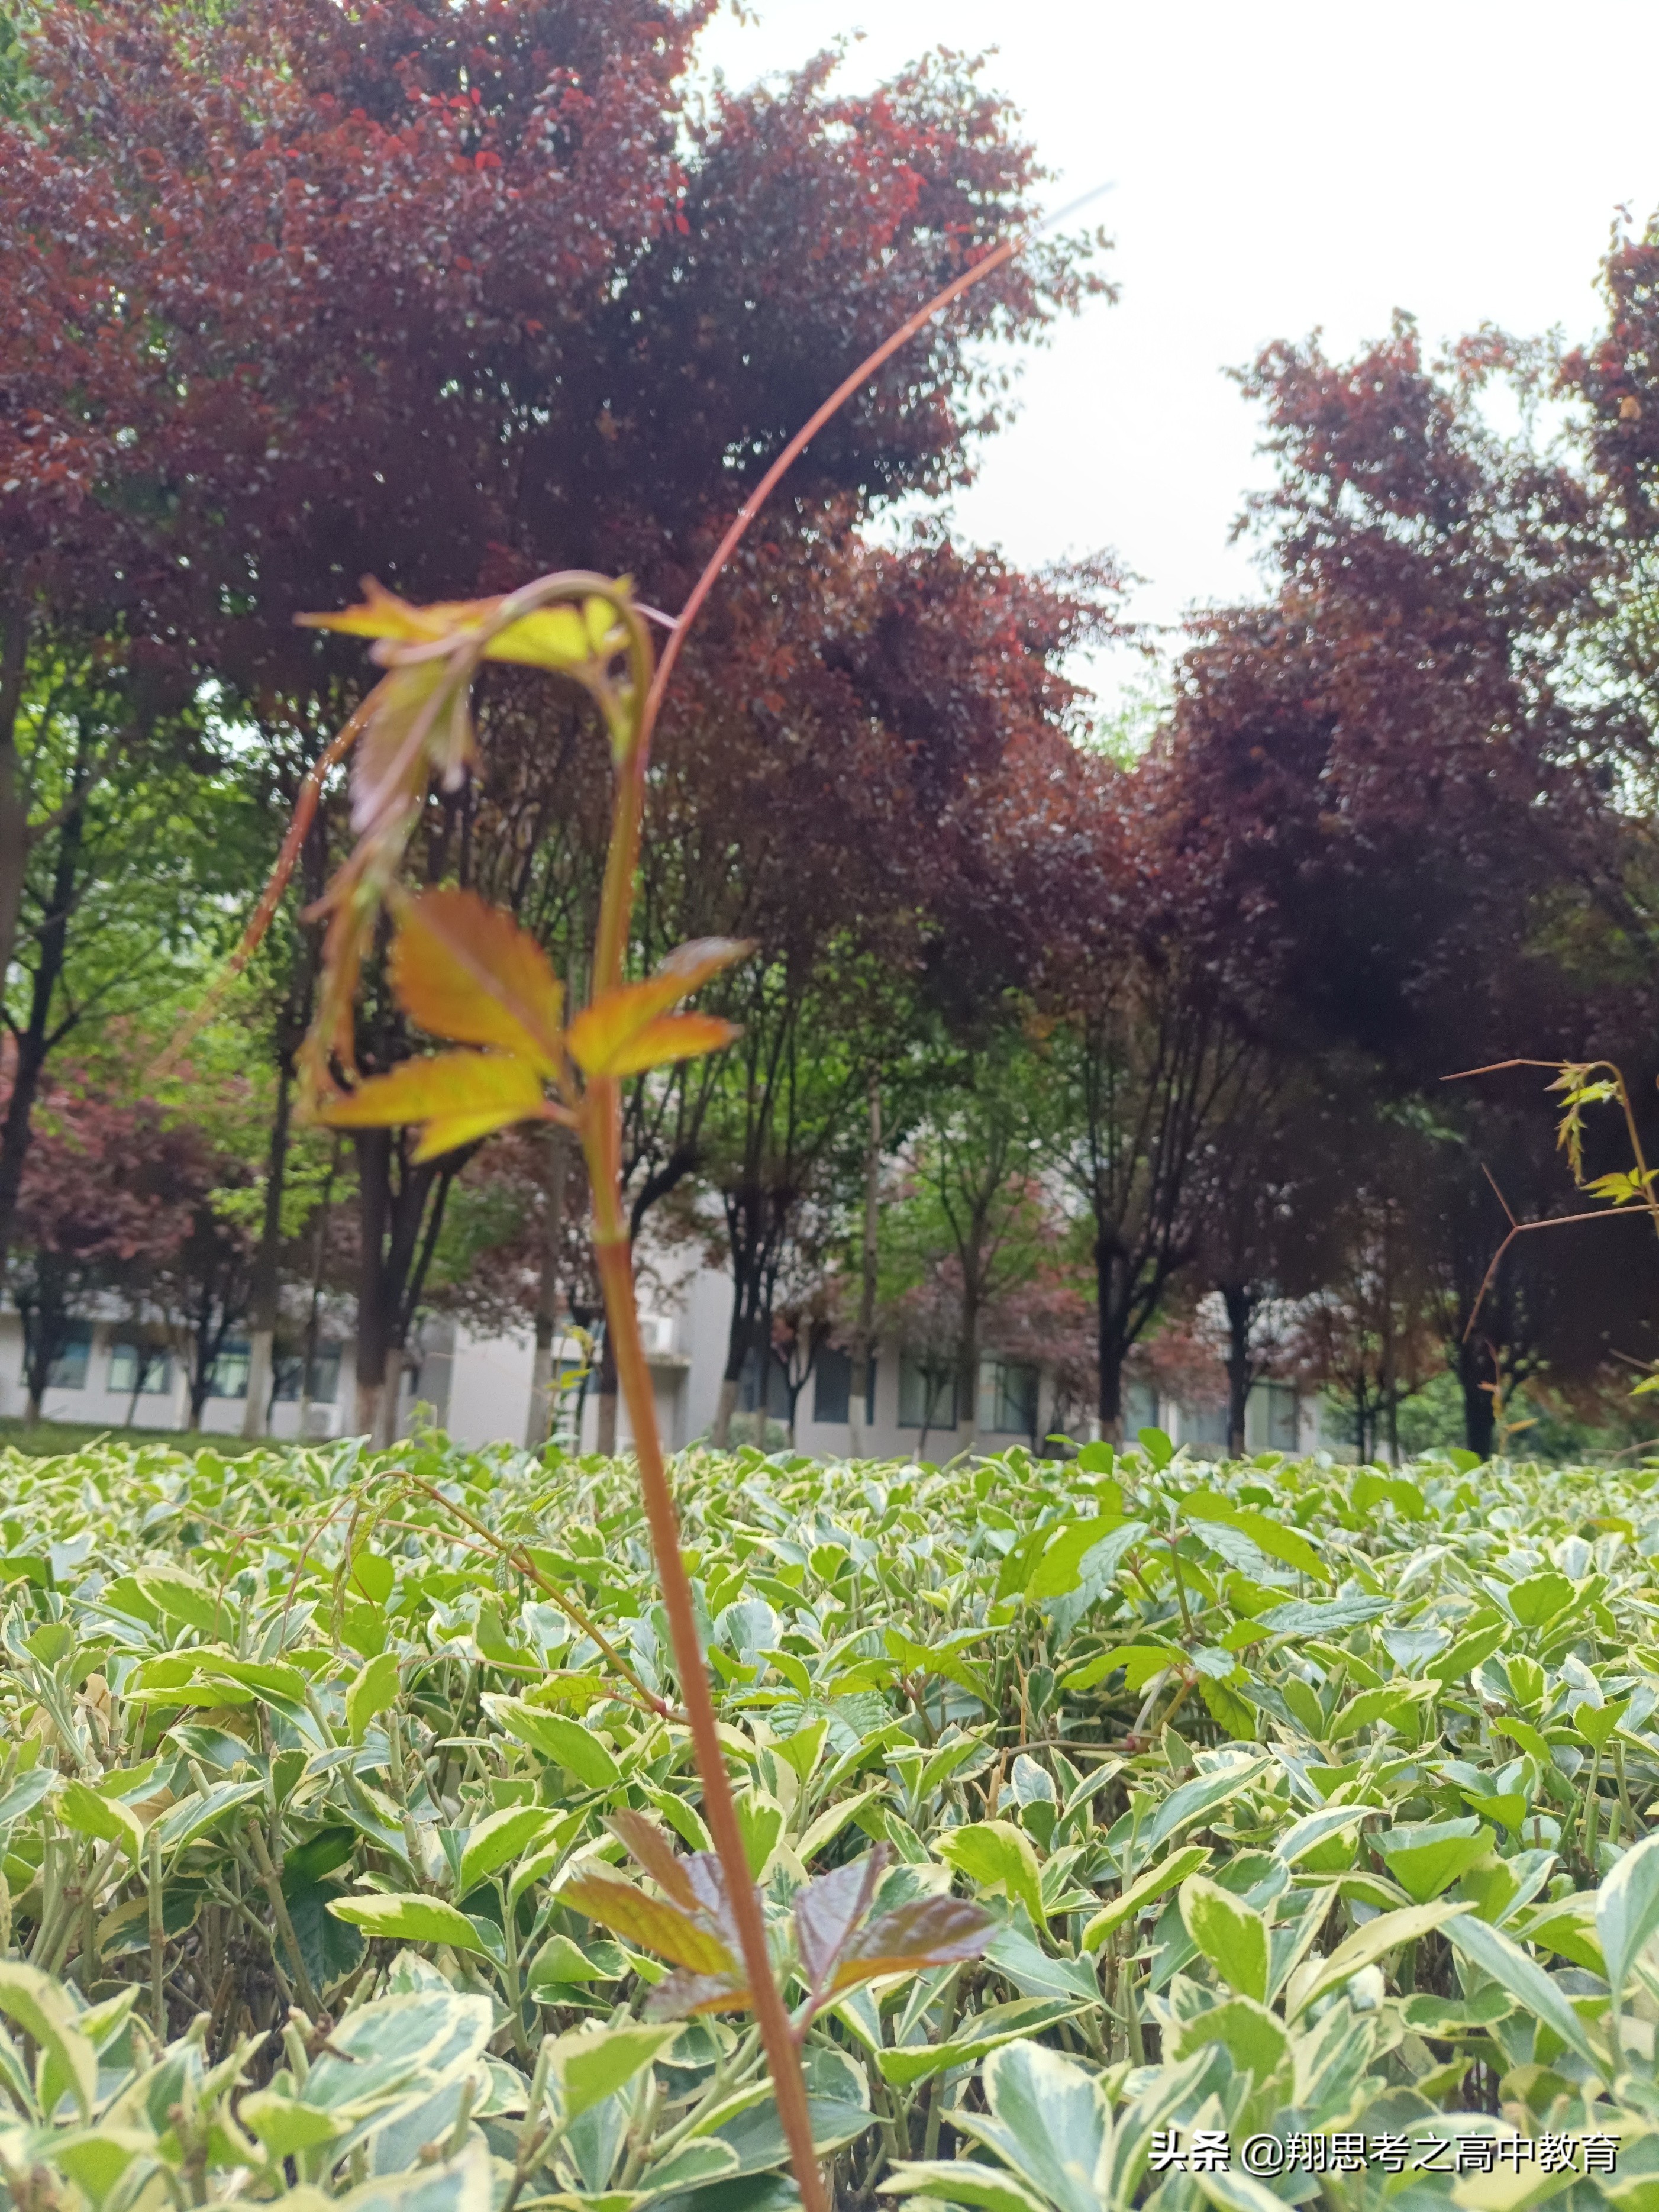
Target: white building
x,y
478,1389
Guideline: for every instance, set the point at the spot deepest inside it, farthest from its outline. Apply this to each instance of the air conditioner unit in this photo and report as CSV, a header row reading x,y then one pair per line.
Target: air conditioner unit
x,y
658,1331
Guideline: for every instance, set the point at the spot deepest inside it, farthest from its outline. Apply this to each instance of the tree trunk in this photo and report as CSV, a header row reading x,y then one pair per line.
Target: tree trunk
x,y
14,804
262,1305
543,1395
36,1039
858,1388
1240,1304
746,1228
374,1151
968,1362
1110,1348
1478,1421
313,1313
605,1407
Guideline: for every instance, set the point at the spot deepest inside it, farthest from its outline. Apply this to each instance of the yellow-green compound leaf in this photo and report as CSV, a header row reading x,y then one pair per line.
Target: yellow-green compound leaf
x,y
996,1855
650,1921
1232,1935
409,1919
586,1755
589,2067
1142,1890
372,1692
467,971
456,1097
37,2005
605,1037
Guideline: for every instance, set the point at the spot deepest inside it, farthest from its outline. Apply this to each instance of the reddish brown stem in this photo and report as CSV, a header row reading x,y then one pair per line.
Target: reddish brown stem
x,y
720,1811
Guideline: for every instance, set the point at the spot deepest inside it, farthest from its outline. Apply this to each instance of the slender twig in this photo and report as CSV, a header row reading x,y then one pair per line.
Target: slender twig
x,y
520,1561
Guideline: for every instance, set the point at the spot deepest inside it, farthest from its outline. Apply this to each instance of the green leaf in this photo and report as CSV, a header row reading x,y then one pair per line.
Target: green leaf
x,y
1372,1489
560,1963
1141,1891
410,1918
1426,1858
95,2159
42,2009
1059,1569
1540,1598
1596,1723
1200,1795
567,1743
1156,1447
1254,2037
283,2125
1627,1909
1368,1944
1470,1648
996,1855
495,1842
1490,1949
196,1816
590,2067
961,2181
181,1597
1232,1935
760,1818
980,2034
372,1576
1268,1535
1048,2120
374,1691
1139,1662
81,1808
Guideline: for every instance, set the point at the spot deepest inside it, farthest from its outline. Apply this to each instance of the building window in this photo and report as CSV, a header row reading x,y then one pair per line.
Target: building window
x,y
228,1377
1139,1408
751,1384
144,1370
324,1376
69,1370
927,1393
1205,1426
832,1388
1284,1418
1007,1398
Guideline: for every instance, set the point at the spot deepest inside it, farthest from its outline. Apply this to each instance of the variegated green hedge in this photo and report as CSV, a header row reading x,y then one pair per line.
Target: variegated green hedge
x,y
1280,1833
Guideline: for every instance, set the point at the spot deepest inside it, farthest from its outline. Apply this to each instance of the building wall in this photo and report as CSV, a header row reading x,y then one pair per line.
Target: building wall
x,y
478,1387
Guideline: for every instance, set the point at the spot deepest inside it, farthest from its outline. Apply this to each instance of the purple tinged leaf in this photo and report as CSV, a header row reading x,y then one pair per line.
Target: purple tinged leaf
x,y
678,1995
649,1845
928,1931
828,1910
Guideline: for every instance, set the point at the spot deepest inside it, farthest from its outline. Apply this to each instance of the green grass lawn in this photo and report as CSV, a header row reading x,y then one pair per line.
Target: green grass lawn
x,y
48,1439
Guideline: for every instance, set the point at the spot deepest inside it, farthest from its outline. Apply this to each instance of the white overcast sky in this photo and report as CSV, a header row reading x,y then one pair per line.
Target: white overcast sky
x,y
1276,168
